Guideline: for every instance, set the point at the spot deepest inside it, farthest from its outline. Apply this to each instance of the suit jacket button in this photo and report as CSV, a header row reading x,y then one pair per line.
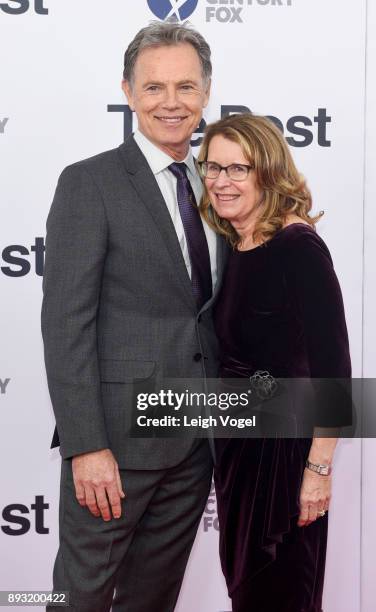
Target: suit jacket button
x,y
197,357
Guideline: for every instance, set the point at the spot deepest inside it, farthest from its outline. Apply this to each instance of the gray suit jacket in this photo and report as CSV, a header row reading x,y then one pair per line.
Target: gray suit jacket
x,y
117,306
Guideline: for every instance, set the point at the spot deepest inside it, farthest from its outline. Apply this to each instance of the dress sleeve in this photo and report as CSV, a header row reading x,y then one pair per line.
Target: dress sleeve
x,y
316,296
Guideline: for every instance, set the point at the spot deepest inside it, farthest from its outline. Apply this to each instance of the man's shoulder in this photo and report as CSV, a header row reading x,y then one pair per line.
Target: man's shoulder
x,y
106,161
97,162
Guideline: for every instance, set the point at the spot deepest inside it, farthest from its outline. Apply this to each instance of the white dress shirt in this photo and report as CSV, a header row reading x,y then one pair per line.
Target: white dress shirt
x,y
159,161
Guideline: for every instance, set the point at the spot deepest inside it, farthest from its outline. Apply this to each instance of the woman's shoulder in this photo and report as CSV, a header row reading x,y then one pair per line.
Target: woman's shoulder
x,y
301,243
299,235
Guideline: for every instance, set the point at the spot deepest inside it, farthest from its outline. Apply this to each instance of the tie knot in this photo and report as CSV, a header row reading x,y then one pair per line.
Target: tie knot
x,y
178,169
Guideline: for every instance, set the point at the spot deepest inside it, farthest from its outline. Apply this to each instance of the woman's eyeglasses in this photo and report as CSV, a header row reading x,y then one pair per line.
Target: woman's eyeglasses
x,y
235,172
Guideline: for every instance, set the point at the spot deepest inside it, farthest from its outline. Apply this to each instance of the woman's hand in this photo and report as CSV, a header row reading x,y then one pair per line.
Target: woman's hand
x,y
315,494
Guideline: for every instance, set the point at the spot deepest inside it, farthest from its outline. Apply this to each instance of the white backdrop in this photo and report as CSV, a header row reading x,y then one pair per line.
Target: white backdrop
x,y
302,61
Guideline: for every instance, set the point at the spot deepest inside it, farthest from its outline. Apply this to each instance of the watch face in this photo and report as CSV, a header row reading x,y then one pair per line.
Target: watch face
x,y
324,470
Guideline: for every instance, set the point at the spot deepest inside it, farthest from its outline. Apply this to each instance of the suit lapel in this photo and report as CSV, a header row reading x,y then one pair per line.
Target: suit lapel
x,y
222,254
223,251
143,180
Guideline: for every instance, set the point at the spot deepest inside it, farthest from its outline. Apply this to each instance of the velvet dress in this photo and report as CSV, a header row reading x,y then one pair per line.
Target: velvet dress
x,y
280,309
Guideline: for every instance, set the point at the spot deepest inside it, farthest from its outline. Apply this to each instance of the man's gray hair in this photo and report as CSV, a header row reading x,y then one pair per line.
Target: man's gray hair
x,y
159,34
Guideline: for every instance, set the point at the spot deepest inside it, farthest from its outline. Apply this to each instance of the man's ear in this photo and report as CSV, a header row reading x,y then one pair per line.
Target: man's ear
x,y
126,87
207,94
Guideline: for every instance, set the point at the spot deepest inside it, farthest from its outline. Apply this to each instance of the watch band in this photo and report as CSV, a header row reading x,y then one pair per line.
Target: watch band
x,y
323,470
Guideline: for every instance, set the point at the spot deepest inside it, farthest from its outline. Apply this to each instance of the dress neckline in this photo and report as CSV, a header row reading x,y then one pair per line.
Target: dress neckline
x,y
264,244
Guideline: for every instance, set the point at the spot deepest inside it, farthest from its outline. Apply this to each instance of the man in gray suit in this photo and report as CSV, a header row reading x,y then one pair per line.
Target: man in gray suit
x,y
131,272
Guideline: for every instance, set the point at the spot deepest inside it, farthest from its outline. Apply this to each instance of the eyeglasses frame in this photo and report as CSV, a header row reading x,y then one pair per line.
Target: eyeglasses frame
x,y
225,168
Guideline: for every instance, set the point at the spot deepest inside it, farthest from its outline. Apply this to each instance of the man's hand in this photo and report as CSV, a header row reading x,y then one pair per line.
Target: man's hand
x,y
97,482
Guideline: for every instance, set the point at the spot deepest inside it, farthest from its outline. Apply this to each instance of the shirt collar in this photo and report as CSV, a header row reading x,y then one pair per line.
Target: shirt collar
x,y
157,159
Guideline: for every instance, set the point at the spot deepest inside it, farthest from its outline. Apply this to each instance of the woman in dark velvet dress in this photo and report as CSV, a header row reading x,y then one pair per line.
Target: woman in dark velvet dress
x,y
280,310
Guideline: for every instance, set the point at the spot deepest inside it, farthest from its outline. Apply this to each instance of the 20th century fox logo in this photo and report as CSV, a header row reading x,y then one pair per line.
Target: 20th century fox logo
x,y
233,11
210,516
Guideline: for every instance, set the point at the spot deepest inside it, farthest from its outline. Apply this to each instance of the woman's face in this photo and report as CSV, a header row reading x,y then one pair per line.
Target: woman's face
x,y
236,201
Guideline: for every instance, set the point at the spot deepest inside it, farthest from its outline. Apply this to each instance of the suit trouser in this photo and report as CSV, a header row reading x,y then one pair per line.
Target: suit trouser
x,y
145,552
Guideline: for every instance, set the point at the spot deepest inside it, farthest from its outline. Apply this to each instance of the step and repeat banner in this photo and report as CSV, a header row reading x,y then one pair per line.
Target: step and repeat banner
x,y
302,62
368,502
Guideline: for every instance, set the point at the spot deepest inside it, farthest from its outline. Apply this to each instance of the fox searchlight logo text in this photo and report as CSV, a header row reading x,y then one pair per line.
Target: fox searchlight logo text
x,y
19,7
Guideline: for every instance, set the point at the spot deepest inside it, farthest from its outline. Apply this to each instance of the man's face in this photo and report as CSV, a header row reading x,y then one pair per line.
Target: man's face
x,y
168,94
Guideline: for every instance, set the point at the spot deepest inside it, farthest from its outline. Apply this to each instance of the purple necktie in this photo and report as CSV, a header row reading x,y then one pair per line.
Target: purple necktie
x,y
195,235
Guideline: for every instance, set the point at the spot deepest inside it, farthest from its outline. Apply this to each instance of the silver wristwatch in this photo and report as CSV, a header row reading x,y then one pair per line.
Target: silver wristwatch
x,y
324,470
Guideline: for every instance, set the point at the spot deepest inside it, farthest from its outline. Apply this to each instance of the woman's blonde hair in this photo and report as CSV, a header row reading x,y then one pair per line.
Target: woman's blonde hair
x,y
284,190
